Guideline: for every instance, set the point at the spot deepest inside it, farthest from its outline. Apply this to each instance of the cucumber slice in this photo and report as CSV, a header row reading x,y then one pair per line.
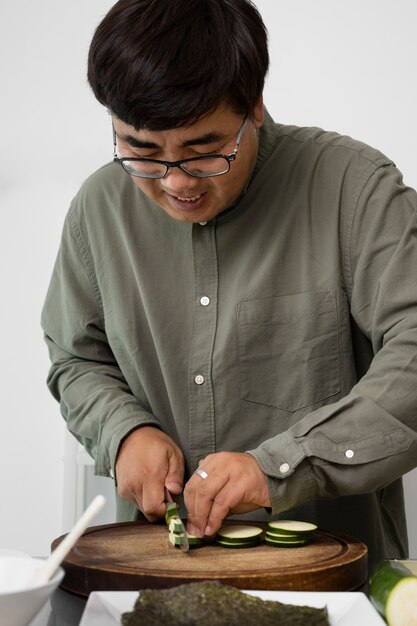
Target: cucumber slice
x,y
237,544
175,525
239,533
195,542
171,512
291,527
277,543
286,538
393,592
177,539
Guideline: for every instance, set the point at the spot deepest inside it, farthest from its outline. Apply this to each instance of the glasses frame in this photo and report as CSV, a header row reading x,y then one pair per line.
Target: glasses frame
x,y
171,164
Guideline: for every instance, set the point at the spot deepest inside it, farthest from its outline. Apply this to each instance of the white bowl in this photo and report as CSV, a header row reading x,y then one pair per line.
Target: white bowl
x,y
20,601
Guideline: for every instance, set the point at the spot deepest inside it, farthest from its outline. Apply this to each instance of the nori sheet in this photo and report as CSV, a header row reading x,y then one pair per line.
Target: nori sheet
x,y
211,603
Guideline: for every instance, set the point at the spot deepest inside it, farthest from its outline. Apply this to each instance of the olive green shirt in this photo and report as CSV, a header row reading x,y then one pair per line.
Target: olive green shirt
x,y
286,327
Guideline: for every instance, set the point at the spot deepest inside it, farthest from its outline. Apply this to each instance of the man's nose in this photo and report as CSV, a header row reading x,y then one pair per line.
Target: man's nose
x,y
178,180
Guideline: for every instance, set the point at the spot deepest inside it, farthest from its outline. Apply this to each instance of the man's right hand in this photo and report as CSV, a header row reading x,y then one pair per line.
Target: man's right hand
x,y
147,462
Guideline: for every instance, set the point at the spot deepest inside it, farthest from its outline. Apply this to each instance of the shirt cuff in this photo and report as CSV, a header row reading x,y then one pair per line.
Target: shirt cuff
x,y
290,478
278,457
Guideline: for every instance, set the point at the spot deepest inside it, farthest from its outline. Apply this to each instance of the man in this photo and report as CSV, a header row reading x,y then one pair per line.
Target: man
x,y
233,317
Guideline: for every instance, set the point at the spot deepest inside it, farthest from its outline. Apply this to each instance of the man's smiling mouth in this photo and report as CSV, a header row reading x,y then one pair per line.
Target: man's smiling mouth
x,y
189,199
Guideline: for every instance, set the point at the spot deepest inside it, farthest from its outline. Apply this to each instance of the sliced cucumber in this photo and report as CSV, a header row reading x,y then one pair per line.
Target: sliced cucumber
x,y
195,542
171,512
239,533
237,544
277,543
177,539
175,525
291,527
286,538
393,592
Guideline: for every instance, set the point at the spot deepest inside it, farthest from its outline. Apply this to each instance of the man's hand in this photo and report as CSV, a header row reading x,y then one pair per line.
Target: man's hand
x,y
234,483
148,461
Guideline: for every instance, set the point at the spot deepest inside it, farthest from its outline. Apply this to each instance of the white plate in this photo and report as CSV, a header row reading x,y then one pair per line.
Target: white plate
x,y
104,608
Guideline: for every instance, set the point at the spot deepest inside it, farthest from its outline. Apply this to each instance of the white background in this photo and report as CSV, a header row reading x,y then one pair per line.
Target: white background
x,y
345,66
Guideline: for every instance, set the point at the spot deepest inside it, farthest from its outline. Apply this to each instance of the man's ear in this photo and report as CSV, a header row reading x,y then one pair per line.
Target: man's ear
x,y
258,113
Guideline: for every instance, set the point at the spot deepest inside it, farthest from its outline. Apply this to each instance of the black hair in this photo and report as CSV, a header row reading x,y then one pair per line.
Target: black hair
x,y
161,64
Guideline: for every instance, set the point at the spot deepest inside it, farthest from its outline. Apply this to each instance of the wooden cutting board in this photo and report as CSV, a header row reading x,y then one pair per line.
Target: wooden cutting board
x,y
137,555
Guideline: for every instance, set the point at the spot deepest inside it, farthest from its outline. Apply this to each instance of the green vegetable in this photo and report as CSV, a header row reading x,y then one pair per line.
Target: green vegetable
x,y
289,533
239,536
176,534
171,512
291,527
175,525
237,544
393,592
239,532
277,543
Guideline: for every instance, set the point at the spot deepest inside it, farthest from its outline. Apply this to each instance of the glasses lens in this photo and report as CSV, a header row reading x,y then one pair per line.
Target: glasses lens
x,y
208,166
146,169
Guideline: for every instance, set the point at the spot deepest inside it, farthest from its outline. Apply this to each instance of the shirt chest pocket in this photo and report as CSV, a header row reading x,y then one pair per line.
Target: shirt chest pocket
x,y
288,350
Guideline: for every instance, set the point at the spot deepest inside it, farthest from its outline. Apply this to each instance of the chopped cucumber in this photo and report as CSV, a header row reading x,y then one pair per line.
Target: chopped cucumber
x,y
291,527
393,592
278,543
176,539
237,544
171,512
175,525
239,536
286,538
195,542
239,533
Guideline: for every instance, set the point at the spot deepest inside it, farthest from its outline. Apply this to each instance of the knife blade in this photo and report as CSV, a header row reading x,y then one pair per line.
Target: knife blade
x,y
185,544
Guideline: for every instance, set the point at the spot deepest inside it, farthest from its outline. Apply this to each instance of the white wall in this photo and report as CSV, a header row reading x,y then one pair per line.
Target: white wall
x,y
346,66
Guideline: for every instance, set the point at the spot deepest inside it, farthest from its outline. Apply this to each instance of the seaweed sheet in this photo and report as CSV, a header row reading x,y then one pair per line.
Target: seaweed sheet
x,y
211,603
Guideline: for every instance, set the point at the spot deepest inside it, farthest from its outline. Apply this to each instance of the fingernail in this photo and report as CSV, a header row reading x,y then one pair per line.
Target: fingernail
x,y
192,529
208,531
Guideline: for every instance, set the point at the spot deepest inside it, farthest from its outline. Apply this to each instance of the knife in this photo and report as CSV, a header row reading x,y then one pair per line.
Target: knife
x,y
185,545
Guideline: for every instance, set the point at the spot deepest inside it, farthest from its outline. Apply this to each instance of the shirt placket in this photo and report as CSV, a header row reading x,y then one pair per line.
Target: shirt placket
x,y
201,393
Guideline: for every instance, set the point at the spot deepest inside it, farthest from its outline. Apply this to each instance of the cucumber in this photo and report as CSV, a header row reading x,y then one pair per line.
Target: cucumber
x,y
237,544
239,533
175,525
291,527
195,542
171,512
286,538
176,539
239,536
393,592
277,543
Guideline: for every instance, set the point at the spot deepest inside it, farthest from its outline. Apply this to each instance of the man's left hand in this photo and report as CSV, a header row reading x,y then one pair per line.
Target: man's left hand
x,y
229,483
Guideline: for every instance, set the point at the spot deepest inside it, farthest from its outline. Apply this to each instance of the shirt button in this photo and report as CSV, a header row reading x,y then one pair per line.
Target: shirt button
x,y
202,223
205,301
284,468
349,454
199,380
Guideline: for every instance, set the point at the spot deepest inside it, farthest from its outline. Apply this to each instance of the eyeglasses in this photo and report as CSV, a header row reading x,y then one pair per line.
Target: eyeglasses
x,y
201,167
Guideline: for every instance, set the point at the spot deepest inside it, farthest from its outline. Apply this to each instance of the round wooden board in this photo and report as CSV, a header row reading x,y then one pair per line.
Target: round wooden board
x,y
136,555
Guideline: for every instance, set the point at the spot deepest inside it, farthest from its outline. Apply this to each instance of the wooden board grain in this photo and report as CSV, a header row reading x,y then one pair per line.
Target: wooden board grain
x,y
137,555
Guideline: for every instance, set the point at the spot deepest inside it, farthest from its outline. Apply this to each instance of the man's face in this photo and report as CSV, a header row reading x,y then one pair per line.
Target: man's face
x,y
184,197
